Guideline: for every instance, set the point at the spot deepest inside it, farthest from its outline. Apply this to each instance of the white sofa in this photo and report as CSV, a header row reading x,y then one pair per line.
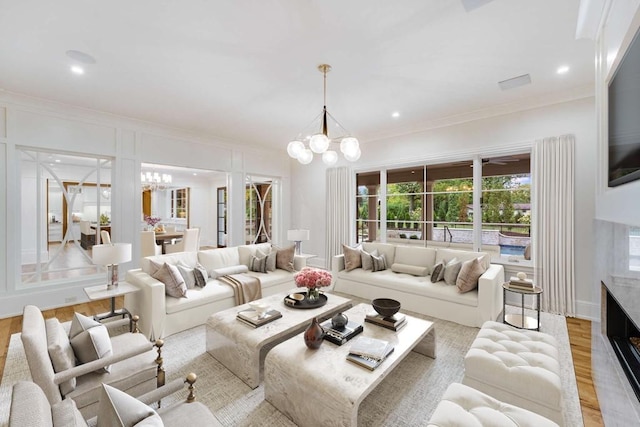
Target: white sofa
x,y
162,315
418,293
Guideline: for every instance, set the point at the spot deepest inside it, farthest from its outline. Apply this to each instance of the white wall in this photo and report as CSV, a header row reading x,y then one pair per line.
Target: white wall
x,y
498,135
45,125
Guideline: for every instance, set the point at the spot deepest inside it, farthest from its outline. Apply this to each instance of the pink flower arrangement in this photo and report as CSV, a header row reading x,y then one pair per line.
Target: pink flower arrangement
x,y
312,278
152,221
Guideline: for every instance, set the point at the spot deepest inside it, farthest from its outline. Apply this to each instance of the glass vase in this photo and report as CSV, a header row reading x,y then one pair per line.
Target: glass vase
x,y
313,294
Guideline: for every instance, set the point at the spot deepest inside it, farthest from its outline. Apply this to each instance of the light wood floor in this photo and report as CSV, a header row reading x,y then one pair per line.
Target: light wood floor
x,y
579,338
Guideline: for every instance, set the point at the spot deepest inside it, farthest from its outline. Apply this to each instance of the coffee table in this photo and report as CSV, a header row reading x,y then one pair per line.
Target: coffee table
x,y
321,387
242,349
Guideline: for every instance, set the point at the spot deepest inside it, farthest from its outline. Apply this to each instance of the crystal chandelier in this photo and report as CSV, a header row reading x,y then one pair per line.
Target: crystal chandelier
x,y
155,181
320,142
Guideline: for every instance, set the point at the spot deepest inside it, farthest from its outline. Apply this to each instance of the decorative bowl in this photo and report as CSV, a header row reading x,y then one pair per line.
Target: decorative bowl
x,y
260,307
386,306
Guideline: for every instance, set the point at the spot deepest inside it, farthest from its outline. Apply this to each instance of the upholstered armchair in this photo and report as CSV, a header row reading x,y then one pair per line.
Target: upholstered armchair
x,y
127,361
31,408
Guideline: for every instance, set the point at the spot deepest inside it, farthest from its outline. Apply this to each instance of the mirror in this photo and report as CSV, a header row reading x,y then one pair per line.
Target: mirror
x,y
170,204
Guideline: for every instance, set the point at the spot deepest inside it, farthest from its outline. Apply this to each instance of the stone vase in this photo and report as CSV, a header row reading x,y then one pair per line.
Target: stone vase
x,y
313,335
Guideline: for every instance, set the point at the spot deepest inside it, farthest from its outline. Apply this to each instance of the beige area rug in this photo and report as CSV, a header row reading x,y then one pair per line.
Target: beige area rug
x,y
406,398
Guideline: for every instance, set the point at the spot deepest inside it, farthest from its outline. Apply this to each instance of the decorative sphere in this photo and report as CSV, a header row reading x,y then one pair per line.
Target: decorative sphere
x,y
319,143
352,157
521,275
305,157
349,145
330,157
294,149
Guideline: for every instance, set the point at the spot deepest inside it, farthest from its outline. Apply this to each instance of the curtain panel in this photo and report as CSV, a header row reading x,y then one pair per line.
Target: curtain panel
x,y
340,194
552,165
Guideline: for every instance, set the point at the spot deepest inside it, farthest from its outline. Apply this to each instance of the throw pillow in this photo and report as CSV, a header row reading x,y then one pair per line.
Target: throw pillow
x,y
60,352
118,409
66,413
379,262
352,258
200,273
284,258
271,259
188,276
451,270
225,271
367,262
438,272
258,263
173,282
80,323
93,344
527,252
414,270
469,274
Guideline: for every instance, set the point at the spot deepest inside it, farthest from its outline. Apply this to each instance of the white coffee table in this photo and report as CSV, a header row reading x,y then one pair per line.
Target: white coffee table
x,y
321,387
242,349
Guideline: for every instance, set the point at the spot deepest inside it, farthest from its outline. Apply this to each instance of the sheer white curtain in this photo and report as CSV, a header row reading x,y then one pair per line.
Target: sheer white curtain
x,y
552,165
340,195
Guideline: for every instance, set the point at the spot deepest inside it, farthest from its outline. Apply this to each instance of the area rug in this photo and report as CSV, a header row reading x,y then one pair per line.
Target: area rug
x,y
408,397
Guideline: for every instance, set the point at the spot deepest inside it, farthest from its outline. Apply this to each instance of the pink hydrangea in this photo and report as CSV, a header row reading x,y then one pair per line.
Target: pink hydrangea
x,y
312,278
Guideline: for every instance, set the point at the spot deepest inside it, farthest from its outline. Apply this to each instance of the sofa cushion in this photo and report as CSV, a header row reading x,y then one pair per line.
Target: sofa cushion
x,y
81,323
66,414
379,262
272,255
218,258
245,252
190,259
284,258
463,256
387,249
173,282
469,274
352,257
118,409
225,271
451,270
415,255
201,275
93,344
367,261
410,269
60,352
29,406
214,291
438,272
258,263
188,276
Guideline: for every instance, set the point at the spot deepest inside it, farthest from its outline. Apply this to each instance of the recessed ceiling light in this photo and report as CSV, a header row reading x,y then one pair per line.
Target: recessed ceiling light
x,y
563,70
85,58
395,114
77,70
57,160
195,174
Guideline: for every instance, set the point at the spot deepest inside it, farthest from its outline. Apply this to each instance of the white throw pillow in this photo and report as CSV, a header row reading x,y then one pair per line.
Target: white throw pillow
x,y
118,409
188,275
451,270
93,344
367,261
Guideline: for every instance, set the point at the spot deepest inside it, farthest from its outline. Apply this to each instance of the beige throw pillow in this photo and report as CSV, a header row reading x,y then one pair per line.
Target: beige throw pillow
x,y
118,409
284,258
271,259
352,257
174,285
188,276
60,352
93,344
367,261
451,270
469,274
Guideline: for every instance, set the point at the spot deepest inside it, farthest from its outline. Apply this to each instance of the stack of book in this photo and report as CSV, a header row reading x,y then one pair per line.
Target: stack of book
x,y
369,352
340,335
254,319
524,284
395,322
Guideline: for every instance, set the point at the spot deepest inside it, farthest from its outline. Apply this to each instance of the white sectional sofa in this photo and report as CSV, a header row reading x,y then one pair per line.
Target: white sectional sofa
x,y
417,292
162,315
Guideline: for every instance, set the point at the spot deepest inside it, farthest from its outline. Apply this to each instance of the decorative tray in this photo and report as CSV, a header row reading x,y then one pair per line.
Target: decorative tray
x,y
304,303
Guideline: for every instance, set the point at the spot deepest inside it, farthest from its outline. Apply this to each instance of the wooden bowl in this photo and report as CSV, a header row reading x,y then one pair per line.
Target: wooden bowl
x,y
386,306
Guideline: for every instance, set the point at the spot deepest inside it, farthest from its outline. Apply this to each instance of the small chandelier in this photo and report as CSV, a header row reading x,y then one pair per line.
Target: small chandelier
x,y
155,181
320,142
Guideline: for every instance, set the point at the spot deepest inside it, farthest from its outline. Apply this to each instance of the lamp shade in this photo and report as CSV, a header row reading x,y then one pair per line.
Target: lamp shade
x,y
116,253
297,235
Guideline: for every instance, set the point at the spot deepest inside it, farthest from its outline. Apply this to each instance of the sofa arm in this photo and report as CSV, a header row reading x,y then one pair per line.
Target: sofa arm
x,y
148,303
337,264
490,292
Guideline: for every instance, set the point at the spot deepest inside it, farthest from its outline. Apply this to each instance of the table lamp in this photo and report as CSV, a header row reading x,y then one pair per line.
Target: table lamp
x,y
110,256
297,236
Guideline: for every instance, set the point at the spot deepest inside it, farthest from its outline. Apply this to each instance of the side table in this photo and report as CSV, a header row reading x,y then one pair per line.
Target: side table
x,y
520,320
101,292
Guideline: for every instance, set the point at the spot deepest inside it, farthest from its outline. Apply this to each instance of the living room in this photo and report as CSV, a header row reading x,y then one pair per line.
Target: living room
x,y
73,121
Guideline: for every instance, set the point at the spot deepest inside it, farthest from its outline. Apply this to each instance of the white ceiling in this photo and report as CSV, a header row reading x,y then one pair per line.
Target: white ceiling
x,y
245,70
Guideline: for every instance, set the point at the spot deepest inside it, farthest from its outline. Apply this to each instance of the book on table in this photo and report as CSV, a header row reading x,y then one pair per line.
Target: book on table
x,y
521,282
369,352
395,322
340,336
253,318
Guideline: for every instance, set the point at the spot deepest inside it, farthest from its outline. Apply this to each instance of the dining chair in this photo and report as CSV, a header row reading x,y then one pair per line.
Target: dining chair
x,y
190,242
148,246
170,228
105,237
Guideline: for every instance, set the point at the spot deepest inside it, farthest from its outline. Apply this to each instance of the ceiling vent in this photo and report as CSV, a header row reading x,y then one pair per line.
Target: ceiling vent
x,y
522,80
470,5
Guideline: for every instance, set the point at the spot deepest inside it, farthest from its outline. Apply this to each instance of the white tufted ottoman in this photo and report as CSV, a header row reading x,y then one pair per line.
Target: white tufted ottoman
x,y
463,406
517,367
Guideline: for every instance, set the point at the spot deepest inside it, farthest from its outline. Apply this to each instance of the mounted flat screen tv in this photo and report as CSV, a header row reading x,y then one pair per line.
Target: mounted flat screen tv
x,y
624,118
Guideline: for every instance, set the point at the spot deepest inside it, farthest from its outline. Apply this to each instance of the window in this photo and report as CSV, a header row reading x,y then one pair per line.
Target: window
x,y
65,203
435,203
179,203
222,216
